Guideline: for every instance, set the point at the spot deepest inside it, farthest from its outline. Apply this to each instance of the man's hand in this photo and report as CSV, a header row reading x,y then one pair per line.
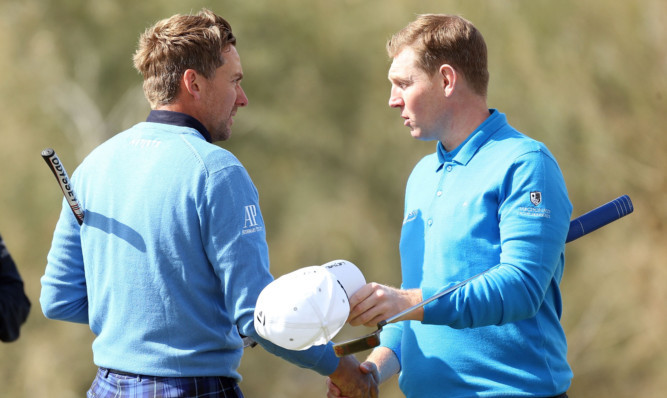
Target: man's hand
x,y
373,303
366,370
353,380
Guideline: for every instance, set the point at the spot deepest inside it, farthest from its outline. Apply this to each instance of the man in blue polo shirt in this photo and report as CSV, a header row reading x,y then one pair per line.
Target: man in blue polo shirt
x,y
171,256
490,200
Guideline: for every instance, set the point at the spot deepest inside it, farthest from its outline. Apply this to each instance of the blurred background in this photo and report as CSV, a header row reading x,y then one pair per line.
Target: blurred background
x,y
330,159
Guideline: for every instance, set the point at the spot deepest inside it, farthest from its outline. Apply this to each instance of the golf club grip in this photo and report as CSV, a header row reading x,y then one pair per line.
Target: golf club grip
x,y
58,170
599,217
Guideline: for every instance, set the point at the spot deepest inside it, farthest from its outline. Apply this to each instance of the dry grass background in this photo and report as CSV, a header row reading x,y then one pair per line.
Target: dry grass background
x,y
330,159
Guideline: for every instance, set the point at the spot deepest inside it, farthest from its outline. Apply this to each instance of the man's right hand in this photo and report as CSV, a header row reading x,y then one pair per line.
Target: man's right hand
x,y
374,302
352,379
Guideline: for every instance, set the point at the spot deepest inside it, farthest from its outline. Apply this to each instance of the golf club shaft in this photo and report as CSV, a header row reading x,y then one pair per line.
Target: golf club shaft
x,y
432,298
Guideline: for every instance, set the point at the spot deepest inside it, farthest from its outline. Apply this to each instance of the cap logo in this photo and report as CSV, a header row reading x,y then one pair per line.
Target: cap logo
x,y
536,197
336,264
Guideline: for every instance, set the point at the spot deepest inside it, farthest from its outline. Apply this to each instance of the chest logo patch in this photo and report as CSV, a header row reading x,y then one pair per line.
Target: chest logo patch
x,y
536,197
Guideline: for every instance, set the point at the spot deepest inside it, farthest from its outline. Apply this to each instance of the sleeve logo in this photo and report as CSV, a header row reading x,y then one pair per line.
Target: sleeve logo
x,y
250,224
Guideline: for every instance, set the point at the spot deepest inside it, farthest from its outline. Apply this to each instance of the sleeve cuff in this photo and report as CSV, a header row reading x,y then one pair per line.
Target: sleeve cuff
x,y
391,337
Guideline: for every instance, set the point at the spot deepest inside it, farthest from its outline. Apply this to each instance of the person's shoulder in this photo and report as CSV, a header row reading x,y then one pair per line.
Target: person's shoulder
x,y
516,144
505,136
214,158
113,142
213,155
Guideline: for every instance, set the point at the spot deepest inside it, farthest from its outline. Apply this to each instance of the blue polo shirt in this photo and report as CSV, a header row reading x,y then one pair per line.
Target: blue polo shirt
x,y
497,203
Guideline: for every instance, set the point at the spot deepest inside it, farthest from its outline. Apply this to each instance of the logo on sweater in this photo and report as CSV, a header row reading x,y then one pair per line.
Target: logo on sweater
x,y
536,197
410,216
250,223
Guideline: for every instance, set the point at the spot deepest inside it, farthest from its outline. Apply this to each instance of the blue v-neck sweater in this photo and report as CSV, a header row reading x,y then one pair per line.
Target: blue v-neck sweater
x,y
171,257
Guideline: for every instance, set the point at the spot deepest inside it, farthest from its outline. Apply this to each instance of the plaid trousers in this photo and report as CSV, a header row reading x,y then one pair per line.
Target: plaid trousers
x,y
108,384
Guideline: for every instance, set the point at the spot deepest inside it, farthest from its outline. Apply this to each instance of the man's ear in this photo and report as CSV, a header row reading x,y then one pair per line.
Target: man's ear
x,y
191,83
448,77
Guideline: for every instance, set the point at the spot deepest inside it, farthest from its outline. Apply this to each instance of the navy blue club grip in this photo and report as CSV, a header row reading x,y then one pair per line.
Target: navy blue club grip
x,y
599,217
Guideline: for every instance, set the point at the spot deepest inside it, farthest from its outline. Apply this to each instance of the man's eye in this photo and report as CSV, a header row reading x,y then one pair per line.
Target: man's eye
x,y
402,84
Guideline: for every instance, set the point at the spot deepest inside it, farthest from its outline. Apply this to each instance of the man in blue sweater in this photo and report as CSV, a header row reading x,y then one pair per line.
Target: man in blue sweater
x,y
490,200
171,257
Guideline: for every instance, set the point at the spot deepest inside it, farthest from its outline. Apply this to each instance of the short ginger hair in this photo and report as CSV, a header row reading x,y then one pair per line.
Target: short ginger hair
x,y
439,39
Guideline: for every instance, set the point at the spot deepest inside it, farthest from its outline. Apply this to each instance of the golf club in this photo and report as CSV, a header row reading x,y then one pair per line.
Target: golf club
x,y
579,227
58,169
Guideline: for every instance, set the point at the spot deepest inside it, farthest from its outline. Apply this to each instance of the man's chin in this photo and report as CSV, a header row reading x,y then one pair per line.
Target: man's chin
x,y
419,135
416,134
222,134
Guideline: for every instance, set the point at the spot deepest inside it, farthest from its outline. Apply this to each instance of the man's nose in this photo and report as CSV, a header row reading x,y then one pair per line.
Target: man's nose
x,y
241,98
395,100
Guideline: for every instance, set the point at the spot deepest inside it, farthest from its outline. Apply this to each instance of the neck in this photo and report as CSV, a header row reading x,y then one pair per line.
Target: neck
x,y
174,107
463,122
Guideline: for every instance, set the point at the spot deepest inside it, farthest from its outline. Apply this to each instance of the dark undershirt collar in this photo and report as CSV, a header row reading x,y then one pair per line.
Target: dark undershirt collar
x,y
178,119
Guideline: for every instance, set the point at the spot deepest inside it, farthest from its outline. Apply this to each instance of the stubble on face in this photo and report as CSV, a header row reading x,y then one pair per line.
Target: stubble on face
x,y
222,100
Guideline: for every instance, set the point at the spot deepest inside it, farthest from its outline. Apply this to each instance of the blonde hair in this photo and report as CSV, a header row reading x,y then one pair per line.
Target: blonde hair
x,y
173,45
439,39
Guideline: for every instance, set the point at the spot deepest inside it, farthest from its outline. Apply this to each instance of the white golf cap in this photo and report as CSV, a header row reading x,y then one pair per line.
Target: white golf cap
x,y
308,306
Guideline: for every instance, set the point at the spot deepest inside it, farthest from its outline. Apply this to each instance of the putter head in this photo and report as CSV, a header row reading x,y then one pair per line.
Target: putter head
x,y
360,344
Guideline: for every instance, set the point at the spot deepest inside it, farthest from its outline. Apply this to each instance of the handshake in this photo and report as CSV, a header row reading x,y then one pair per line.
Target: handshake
x,y
309,307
